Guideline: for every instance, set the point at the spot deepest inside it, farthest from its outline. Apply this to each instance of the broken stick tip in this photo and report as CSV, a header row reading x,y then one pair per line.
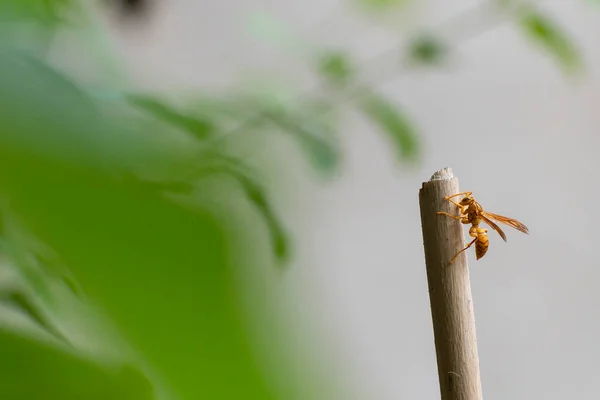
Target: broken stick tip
x,y
444,173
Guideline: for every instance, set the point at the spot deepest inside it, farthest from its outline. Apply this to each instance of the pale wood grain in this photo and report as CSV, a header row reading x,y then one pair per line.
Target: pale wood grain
x,y
449,291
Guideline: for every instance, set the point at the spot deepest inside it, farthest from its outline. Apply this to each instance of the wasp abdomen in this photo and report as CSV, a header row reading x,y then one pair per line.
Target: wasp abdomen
x,y
482,244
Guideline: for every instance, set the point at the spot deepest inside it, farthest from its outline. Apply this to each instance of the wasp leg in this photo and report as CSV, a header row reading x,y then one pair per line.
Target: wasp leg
x,y
468,194
456,204
460,218
469,245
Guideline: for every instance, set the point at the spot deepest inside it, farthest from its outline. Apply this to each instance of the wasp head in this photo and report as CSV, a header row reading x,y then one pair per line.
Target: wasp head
x,y
466,201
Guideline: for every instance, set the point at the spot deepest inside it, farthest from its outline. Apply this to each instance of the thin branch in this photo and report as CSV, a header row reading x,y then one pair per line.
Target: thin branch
x,y
459,29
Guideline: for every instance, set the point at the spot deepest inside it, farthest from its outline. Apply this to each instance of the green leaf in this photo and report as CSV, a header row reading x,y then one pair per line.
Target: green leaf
x,y
393,122
215,163
311,136
160,272
256,195
322,154
543,31
427,50
31,369
25,303
80,136
336,67
200,128
42,13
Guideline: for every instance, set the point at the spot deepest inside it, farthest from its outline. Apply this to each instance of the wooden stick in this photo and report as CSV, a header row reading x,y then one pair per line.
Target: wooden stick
x,y
449,291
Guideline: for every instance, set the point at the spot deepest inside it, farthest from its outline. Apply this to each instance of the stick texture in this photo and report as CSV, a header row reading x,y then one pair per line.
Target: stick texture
x,y
449,291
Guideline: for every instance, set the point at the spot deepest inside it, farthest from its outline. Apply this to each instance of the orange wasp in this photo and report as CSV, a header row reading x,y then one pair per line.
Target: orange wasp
x,y
472,213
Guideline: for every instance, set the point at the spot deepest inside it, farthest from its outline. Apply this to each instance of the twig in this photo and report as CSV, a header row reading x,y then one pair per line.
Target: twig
x,y
460,28
449,292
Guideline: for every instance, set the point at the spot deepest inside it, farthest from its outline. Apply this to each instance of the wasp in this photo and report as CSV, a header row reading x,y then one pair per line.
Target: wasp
x,y
471,212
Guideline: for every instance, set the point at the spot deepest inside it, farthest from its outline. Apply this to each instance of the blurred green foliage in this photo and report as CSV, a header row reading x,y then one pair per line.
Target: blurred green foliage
x,y
336,67
381,5
41,11
546,33
393,122
33,369
161,271
314,136
201,129
427,50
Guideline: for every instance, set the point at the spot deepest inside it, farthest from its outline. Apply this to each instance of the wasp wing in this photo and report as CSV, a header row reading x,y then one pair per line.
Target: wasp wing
x,y
508,221
493,225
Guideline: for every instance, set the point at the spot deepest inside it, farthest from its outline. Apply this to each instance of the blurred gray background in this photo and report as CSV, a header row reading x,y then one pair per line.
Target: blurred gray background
x,y
516,131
